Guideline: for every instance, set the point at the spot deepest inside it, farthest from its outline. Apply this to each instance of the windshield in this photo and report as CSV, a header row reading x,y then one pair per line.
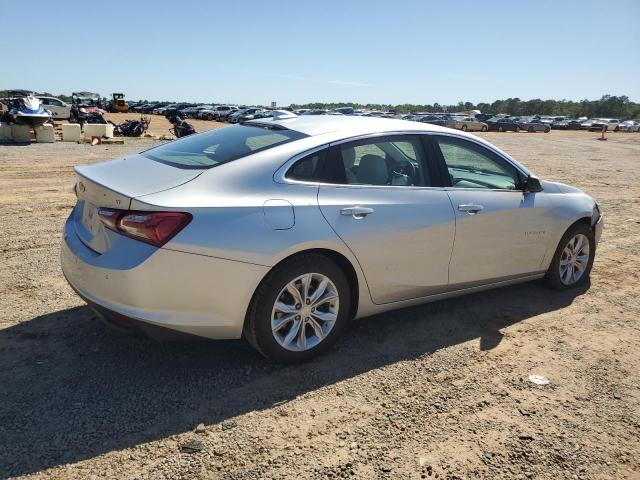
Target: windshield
x,y
219,146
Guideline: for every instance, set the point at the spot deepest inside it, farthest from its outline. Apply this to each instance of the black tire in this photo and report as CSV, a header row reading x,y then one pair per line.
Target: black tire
x,y
483,129
517,130
531,130
257,325
500,129
209,116
617,129
552,277
547,129
464,128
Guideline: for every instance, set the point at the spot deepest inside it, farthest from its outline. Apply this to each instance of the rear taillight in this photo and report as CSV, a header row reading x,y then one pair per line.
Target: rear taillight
x,y
156,228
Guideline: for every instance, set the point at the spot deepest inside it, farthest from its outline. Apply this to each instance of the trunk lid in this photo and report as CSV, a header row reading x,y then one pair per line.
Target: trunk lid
x,y
112,185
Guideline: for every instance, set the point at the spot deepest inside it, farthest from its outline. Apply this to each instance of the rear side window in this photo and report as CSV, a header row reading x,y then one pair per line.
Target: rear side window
x,y
395,160
309,168
219,146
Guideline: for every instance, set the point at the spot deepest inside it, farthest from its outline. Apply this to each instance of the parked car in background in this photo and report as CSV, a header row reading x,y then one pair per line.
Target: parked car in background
x,y
162,110
345,110
269,249
472,125
431,120
549,120
189,112
566,124
483,117
176,108
61,110
223,111
149,108
453,121
534,125
630,126
586,124
199,109
243,115
207,113
140,107
223,115
316,111
503,124
612,124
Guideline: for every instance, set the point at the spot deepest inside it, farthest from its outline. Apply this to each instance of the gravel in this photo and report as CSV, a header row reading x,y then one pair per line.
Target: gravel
x,y
436,391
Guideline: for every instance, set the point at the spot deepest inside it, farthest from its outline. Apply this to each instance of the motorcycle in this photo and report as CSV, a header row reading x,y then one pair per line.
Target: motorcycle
x,y
132,128
80,115
180,127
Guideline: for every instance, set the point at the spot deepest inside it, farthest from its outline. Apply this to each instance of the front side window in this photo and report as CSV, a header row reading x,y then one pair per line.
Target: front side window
x,y
395,160
220,146
473,166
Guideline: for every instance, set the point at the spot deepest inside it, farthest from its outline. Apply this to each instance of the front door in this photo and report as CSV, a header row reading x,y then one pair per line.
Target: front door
x,y
379,199
501,230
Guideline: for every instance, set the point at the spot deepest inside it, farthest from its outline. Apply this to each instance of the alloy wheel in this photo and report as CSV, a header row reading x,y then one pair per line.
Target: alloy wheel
x,y
305,311
574,259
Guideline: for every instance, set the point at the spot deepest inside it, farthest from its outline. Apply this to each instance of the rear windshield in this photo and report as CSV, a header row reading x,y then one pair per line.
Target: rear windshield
x,y
219,146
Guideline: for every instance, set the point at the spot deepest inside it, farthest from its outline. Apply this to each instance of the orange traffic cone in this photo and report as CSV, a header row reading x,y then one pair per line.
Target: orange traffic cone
x,y
604,129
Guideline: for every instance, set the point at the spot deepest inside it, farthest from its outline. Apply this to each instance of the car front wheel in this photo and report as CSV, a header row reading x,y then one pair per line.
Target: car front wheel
x,y
299,310
573,259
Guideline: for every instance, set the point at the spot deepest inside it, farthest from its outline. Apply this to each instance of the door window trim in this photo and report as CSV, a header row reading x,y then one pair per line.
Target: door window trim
x,y
430,148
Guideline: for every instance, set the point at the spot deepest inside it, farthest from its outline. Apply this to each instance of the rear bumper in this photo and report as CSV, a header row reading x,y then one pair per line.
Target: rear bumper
x,y
189,293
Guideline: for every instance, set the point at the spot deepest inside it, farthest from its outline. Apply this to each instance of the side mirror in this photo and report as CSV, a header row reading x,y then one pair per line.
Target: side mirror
x,y
532,184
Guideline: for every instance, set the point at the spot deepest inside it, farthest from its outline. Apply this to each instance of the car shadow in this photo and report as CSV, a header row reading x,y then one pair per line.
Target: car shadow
x,y
71,389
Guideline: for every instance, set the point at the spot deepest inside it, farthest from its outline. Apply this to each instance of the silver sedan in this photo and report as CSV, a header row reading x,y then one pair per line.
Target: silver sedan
x,y
473,125
282,231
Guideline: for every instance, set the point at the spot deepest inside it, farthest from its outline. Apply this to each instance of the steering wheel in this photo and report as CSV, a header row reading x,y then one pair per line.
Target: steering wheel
x,y
406,168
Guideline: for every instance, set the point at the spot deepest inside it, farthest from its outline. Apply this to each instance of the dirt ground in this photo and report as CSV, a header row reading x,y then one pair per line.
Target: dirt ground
x,y
436,391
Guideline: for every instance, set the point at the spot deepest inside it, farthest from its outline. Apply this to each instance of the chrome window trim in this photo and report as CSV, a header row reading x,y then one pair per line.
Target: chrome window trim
x,y
280,174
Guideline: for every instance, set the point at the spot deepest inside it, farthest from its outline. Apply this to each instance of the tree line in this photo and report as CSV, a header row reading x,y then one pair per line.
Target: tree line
x,y
607,106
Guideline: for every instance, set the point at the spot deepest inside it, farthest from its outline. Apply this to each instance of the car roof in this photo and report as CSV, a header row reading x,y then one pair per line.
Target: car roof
x,y
313,125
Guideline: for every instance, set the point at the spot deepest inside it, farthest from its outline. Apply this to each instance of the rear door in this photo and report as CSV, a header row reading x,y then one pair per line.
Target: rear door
x,y
384,201
501,230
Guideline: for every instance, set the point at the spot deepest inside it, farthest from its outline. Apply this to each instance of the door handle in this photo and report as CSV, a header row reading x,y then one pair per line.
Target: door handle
x,y
356,211
470,208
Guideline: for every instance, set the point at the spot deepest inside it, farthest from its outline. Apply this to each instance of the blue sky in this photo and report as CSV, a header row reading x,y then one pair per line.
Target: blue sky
x,y
300,51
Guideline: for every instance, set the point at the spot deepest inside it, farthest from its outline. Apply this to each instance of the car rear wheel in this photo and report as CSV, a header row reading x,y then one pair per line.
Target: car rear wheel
x,y
299,310
547,129
464,128
483,129
573,259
